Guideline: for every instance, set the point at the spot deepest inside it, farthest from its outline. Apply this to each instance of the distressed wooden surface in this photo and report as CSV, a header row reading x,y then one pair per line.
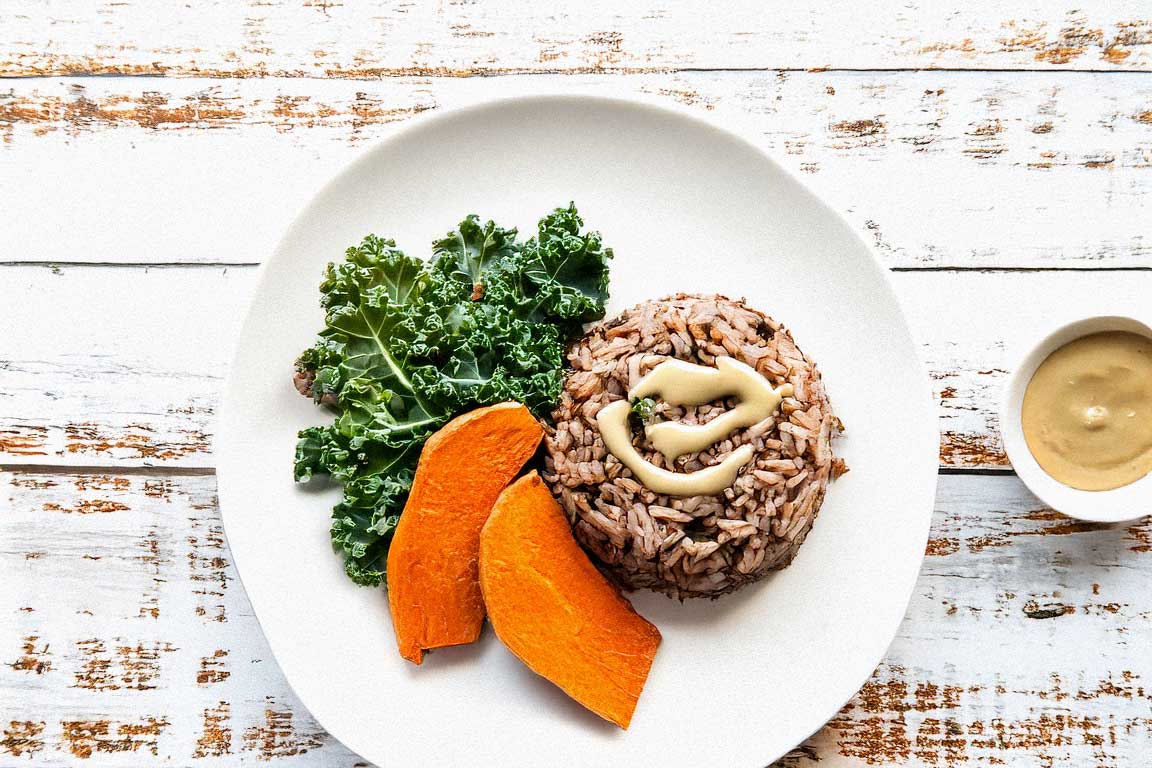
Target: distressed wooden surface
x,y
1038,169
332,39
129,638
998,155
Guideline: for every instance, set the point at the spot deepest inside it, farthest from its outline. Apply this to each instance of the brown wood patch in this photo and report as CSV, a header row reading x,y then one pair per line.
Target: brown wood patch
x,y
23,738
213,668
84,738
215,739
277,735
36,657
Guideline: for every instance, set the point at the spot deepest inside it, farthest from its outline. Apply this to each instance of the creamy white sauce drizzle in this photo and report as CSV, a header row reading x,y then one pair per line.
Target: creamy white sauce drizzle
x,y
682,383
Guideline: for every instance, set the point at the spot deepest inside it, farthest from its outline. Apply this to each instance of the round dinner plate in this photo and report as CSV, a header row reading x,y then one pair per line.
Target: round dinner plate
x,y
686,206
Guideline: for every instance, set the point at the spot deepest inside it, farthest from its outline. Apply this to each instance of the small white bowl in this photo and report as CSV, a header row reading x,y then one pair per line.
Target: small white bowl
x,y
1128,502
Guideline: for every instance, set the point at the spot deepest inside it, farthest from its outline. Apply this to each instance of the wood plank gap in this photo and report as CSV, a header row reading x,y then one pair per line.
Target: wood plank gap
x,y
978,471
166,471
997,270
250,264
109,469
464,74
131,264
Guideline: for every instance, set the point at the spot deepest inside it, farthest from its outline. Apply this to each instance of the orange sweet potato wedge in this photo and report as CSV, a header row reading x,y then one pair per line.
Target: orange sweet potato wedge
x,y
433,587
555,611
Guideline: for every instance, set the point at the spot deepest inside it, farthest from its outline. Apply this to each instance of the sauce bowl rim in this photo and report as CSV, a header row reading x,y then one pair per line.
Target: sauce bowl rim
x,y
1124,504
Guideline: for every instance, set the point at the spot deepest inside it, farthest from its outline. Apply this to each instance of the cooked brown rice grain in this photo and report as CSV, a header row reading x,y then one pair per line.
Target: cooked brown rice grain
x,y
701,545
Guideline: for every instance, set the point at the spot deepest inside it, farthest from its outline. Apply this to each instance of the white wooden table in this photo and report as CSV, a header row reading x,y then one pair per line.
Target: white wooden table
x,y
998,154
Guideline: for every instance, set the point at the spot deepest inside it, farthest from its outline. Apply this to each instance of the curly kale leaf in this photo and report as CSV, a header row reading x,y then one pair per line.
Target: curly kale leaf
x,y
374,264
567,271
472,252
407,345
364,521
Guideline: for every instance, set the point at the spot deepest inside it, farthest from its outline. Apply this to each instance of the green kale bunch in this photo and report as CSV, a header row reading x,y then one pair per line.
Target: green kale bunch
x,y
408,345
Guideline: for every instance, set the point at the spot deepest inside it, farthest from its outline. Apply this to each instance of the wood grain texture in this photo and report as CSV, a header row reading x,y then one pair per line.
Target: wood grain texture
x,y
126,636
137,383
129,366
385,38
937,169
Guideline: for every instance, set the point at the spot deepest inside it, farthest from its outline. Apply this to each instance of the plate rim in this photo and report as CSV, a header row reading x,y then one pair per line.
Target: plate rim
x,y
736,127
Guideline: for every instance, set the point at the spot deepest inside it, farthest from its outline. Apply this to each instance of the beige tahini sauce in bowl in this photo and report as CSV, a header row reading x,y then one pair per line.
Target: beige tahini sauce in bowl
x,y
1087,411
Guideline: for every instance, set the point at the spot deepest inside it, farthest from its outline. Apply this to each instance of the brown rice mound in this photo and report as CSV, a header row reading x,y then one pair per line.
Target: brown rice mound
x,y
700,545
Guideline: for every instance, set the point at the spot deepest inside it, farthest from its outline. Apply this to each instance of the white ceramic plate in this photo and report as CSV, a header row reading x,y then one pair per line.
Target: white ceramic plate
x,y
686,206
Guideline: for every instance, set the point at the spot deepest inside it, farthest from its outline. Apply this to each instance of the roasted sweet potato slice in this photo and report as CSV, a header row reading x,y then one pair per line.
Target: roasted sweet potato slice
x,y
433,587
555,611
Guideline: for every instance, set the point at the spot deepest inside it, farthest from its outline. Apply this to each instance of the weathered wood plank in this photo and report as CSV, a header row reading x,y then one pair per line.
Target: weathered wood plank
x,y
124,633
125,636
137,381
113,366
979,169
1025,644
390,37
